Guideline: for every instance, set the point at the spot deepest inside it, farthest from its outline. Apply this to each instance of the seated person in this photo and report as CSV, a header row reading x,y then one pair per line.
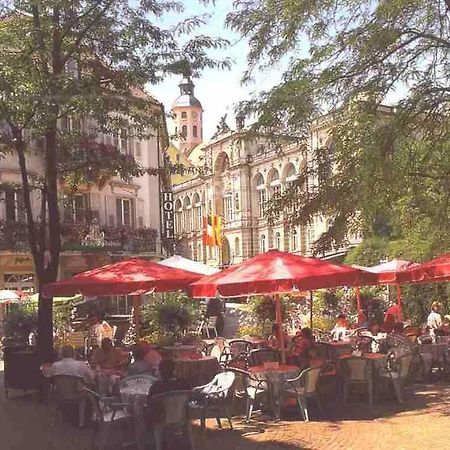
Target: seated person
x,y
273,340
107,357
303,343
140,363
68,365
340,328
167,383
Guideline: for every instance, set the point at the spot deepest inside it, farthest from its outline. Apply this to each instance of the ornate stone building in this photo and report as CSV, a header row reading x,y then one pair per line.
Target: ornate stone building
x,y
238,176
98,226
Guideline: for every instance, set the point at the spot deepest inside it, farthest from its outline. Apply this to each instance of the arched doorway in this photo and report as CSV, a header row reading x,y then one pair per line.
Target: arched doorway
x,y
225,253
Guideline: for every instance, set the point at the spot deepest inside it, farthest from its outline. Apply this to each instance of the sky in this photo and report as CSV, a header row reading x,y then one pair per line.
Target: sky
x,y
217,90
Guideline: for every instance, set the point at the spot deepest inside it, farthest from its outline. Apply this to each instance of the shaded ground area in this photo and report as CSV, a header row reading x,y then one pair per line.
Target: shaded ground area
x,y
421,422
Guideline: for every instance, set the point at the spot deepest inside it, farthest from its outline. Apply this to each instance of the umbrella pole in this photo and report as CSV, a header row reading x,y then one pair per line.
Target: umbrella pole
x,y
137,312
399,302
311,310
358,304
279,321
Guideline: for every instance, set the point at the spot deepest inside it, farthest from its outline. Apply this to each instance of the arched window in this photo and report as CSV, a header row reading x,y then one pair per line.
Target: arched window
x,y
278,240
274,182
261,192
237,247
187,214
294,241
262,243
198,220
194,131
184,131
178,216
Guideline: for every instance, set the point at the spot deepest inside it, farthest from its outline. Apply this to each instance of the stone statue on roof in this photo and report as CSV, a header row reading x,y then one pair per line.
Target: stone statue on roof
x,y
222,127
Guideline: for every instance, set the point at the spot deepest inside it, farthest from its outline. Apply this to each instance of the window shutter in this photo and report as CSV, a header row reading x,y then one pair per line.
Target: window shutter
x,y
110,210
119,221
140,211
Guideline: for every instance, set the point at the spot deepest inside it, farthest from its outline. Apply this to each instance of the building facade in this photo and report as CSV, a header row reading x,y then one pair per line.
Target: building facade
x,y
236,176
98,226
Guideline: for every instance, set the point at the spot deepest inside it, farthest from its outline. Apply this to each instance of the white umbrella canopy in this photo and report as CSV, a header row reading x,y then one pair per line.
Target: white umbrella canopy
x,y
179,262
8,296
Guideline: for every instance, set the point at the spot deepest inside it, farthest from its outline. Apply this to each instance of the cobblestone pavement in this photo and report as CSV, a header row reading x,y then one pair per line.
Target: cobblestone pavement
x,y
421,422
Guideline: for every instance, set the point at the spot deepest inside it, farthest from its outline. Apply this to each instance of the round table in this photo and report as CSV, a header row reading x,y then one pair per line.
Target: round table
x,y
196,371
275,377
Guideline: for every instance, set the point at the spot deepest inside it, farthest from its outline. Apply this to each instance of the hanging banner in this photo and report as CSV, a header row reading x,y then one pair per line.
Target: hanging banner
x,y
168,215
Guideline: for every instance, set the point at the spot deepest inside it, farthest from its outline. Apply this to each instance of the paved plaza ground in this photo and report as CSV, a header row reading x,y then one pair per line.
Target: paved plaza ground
x,y
422,422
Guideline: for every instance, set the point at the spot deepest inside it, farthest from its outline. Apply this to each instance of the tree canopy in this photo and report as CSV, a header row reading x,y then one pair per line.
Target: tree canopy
x,y
68,62
385,171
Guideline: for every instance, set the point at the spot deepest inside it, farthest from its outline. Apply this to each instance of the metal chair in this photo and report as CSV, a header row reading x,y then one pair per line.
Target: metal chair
x,y
353,371
239,352
174,408
68,390
214,399
303,387
207,324
259,356
139,379
107,413
398,373
248,387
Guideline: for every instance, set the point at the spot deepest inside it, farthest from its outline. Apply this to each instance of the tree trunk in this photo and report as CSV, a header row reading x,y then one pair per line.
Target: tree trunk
x,y
45,323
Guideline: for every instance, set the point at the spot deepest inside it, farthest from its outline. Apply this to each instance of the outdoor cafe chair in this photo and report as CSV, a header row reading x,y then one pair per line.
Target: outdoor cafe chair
x,y
214,399
365,343
174,408
107,414
304,387
320,335
356,370
208,324
398,372
67,391
134,380
259,356
251,388
239,352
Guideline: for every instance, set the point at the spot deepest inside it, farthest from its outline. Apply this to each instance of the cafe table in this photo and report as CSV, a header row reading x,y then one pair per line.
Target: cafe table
x,y
197,370
275,376
176,351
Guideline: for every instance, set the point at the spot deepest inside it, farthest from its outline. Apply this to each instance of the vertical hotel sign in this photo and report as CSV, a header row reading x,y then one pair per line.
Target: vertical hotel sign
x,y
168,214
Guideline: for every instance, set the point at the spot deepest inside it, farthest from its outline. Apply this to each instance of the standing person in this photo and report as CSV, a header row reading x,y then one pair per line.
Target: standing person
x,y
214,308
107,330
434,321
95,332
340,328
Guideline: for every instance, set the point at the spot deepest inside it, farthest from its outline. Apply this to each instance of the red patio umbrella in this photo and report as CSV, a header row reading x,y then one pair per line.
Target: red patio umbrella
x,y
434,271
275,273
128,277
388,273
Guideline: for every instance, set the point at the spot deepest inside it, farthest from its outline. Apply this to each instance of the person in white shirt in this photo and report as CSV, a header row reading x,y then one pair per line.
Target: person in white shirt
x,y
434,320
68,365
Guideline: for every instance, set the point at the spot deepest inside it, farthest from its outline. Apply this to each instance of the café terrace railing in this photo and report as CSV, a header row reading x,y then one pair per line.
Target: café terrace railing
x,y
84,237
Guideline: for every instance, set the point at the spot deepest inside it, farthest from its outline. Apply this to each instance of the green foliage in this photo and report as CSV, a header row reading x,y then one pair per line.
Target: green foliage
x,y
169,317
20,321
392,165
252,330
369,253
